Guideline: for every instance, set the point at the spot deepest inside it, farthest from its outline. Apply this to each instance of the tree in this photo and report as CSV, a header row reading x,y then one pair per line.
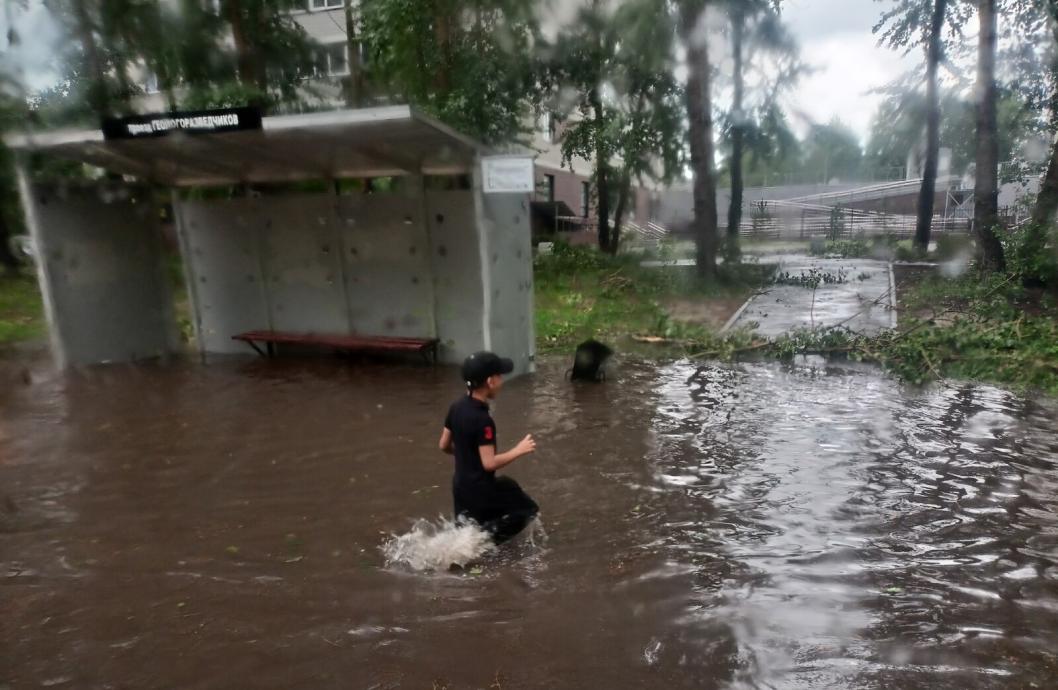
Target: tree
x,y
271,49
772,153
11,112
897,126
353,86
760,43
832,151
922,23
928,191
737,129
649,125
1036,24
470,64
692,25
630,119
986,181
585,56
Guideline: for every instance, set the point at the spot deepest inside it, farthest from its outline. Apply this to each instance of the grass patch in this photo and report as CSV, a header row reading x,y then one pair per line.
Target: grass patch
x,y
582,293
21,309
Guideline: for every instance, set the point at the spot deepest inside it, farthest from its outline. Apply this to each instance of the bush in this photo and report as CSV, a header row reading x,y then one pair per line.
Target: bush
x,y
1032,255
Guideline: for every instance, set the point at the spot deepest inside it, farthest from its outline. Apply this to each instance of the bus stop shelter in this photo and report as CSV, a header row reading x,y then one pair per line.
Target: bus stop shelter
x,y
445,262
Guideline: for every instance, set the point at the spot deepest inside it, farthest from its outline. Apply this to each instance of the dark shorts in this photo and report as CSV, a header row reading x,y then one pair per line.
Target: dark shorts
x,y
499,506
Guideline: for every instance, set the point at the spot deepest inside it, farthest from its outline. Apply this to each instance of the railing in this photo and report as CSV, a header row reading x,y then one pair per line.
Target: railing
x,y
801,220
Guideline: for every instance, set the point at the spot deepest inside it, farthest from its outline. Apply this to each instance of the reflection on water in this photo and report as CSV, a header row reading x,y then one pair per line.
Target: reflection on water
x,y
751,526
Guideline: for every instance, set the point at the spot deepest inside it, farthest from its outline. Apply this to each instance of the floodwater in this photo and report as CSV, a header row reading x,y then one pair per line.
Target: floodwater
x,y
861,301
743,526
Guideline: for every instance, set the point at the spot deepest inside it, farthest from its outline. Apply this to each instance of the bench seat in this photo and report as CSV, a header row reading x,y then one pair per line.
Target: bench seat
x,y
364,343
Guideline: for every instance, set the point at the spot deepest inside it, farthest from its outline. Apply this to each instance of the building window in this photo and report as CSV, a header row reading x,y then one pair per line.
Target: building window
x,y
545,125
326,4
150,84
329,60
585,197
549,183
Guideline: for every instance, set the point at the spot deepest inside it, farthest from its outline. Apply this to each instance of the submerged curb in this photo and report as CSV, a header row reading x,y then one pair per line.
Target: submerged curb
x,y
734,317
892,298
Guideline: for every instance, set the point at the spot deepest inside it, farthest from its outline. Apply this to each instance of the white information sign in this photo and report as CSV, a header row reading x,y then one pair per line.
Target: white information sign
x,y
507,175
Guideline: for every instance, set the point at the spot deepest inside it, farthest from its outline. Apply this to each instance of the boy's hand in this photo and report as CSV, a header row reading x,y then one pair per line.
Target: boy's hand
x,y
526,446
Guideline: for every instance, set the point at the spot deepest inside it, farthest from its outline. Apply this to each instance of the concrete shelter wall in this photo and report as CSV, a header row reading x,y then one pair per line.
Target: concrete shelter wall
x,y
509,277
320,263
109,299
455,257
386,250
221,244
301,256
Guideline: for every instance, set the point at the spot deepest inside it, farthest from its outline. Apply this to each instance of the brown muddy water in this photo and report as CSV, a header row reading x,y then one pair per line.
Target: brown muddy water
x,y
755,525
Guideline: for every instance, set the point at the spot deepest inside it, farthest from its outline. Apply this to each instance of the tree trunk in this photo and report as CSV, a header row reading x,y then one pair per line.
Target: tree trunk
x,y
8,261
354,96
1047,199
734,212
442,28
928,191
247,64
700,130
98,95
986,184
602,169
623,191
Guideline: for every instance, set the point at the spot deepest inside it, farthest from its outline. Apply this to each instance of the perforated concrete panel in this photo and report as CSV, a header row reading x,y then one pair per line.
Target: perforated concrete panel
x,y
103,266
455,257
387,258
220,241
510,277
301,254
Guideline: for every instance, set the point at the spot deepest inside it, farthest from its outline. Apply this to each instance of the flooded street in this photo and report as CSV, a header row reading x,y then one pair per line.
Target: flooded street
x,y
746,526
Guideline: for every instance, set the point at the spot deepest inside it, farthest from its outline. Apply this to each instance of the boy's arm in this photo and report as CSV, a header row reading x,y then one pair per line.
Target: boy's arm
x,y
492,461
445,444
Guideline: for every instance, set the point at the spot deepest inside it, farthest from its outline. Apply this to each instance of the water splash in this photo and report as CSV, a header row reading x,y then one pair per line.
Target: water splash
x,y
431,546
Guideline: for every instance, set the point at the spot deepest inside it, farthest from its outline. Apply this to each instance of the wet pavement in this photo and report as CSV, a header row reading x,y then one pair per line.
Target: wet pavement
x,y
862,301
746,526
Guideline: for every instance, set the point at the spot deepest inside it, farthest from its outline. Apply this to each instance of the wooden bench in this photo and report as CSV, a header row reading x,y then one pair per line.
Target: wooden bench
x,y
427,347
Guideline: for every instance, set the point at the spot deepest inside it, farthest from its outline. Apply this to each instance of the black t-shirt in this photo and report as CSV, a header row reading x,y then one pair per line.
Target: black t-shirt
x,y
471,426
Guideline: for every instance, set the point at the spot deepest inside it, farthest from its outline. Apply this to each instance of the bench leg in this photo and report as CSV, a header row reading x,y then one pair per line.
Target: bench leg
x,y
271,349
254,346
429,354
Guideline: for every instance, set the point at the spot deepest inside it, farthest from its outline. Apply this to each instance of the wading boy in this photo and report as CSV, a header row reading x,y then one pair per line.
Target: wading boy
x,y
498,504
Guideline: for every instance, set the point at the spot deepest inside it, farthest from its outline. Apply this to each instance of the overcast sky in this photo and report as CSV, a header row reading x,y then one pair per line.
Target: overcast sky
x,y
835,38
836,41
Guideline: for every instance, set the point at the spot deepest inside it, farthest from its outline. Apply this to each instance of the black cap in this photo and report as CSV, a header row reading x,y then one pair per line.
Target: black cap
x,y
481,365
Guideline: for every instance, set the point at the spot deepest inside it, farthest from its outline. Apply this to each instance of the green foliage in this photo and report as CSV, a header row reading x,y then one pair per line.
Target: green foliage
x,y
1032,254
988,328
631,128
812,278
470,64
897,127
21,310
831,151
843,248
583,293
